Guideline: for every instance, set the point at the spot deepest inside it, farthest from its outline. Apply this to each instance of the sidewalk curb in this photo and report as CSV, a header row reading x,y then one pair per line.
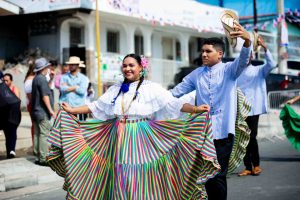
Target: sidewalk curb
x,y
23,192
22,172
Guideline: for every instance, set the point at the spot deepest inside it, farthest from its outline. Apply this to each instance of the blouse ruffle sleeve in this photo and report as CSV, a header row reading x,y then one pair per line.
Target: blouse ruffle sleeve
x,y
103,108
165,106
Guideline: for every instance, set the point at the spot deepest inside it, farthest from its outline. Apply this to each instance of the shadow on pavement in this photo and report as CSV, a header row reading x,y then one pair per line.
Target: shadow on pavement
x,y
20,153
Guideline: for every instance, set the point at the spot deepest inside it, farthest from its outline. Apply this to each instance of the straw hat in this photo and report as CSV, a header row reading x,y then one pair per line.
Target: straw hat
x,y
255,41
82,65
74,60
228,19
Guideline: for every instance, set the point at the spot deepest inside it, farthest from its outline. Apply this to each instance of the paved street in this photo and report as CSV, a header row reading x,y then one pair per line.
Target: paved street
x,y
279,180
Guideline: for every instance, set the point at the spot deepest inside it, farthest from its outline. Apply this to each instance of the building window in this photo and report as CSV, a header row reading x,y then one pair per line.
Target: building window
x,y
76,36
139,44
113,41
178,51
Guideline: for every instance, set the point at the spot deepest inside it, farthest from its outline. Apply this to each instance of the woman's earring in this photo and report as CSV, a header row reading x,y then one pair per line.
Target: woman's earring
x,y
141,73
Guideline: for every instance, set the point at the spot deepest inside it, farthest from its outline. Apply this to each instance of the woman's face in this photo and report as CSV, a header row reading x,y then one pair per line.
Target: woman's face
x,y
131,69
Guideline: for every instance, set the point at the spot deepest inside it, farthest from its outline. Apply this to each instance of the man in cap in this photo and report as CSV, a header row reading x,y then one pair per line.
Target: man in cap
x,y
73,85
215,85
42,109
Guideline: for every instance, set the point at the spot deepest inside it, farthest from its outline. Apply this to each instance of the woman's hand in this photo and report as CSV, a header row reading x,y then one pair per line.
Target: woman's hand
x,y
291,101
202,108
67,107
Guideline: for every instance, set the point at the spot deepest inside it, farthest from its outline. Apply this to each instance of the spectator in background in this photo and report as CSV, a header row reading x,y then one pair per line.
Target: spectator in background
x,y
73,85
42,110
28,91
90,94
51,76
63,69
8,79
10,129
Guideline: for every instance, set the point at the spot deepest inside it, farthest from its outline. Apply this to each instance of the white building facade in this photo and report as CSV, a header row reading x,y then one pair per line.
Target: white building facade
x,y
168,32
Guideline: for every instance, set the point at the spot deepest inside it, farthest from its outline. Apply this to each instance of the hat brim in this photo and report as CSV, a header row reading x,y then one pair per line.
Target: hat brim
x,y
228,19
74,63
255,41
229,14
228,27
47,65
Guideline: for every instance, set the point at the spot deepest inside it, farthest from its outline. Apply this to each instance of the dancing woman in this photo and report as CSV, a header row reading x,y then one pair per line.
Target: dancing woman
x,y
137,150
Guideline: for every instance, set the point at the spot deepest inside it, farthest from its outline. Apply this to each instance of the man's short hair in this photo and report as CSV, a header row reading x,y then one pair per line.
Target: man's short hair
x,y
217,43
9,75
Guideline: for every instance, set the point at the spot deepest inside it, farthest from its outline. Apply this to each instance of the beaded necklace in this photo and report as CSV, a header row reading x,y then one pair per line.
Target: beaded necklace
x,y
124,111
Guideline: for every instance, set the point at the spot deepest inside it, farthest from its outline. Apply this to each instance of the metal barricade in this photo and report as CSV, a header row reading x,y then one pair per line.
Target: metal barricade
x,y
270,125
277,99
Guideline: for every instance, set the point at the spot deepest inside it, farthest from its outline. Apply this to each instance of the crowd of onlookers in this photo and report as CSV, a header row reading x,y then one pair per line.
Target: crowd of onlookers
x,y
41,79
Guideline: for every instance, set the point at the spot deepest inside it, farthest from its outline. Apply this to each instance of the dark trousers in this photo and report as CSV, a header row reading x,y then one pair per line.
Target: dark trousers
x,y
252,155
216,187
10,132
81,117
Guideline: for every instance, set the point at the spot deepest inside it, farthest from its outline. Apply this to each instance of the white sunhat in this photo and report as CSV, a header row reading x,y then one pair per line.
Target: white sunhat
x,y
74,60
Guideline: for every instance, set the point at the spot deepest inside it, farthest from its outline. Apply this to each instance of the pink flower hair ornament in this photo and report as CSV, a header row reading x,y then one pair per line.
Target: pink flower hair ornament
x,y
145,65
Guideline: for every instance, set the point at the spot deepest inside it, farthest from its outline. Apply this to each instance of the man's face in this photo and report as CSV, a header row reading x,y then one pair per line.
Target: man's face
x,y
73,67
7,81
65,69
210,55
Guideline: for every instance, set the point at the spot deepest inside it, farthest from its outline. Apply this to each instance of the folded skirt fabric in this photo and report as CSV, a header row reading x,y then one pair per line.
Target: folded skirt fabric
x,y
133,159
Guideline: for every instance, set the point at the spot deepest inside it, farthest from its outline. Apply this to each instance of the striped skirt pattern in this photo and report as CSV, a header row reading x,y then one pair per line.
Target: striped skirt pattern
x,y
242,133
136,159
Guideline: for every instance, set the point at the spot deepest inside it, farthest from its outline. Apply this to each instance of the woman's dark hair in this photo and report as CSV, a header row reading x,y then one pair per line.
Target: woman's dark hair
x,y
135,56
30,71
139,61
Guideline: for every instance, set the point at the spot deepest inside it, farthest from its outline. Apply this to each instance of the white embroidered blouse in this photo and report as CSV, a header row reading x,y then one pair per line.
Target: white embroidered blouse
x,y
152,102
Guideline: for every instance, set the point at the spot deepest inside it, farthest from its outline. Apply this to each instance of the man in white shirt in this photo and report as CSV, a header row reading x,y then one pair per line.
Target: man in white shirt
x,y
252,82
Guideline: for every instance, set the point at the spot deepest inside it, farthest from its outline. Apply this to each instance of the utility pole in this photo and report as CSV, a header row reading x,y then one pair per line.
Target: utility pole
x,y
255,22
254,16
221,3
98,48
282,52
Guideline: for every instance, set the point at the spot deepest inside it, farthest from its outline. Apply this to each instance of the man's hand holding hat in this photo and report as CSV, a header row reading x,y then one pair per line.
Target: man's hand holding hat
x,y
262,43
239,31
233,29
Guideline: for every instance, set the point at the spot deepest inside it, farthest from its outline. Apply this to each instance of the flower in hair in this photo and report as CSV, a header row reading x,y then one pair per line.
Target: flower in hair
x,y
144,62
145,65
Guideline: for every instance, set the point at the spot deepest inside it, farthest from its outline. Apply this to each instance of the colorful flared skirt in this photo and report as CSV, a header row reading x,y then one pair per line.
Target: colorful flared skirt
x,y
136,159
242,133
291,124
